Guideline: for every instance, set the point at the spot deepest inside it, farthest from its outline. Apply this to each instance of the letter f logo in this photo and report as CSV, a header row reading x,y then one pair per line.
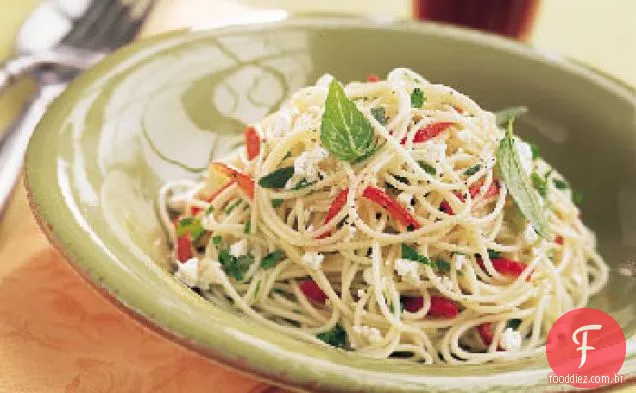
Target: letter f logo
x,y
584,347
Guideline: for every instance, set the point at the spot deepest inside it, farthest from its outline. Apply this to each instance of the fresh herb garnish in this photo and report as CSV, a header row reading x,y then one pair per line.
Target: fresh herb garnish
x,y
192,226
271,260
235,267
577,197
493,254
428,168
277,202
344,130
278,178
303,183
513,323
233,206
519,185
410,253
210,210
442,265
247,228
336,337
536,153
379,113
472,170
560,184
540,184
417,98
216,240
504,116
257,291
392,309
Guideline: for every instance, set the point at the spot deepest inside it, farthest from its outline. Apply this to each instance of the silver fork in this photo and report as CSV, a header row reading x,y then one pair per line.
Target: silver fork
x,y
103,25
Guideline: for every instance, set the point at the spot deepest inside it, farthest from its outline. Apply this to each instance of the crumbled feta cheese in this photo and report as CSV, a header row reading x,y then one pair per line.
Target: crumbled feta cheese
x,y
408,270
446,283
188,272
465,136
372,334
511,340
524,151
530,235
306,164
405,198
437,150
313,259
278,124
239,248
459,259
324,80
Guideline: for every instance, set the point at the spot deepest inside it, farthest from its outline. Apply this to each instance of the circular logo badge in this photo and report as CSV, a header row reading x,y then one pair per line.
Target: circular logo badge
x,y
586,348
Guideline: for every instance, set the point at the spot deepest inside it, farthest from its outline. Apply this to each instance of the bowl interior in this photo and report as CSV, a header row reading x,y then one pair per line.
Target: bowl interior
x,y
161,109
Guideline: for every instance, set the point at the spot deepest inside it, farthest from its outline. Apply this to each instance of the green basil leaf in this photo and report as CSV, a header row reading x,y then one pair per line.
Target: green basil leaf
x,y
277,202
519,185
536,153
344,130
503,116
417,98
336,337
271,260
278,178
248,227
410,253
233,266
472,170
428,168
379,113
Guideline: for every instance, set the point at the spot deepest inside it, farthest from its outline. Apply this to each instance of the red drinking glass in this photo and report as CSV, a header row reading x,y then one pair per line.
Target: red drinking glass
x,y
512,18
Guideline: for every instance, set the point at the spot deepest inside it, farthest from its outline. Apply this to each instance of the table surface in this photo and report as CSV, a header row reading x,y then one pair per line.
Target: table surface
x,y
57,335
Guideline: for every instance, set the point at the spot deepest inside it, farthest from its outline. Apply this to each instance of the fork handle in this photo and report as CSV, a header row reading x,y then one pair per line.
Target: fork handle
x,y
17,67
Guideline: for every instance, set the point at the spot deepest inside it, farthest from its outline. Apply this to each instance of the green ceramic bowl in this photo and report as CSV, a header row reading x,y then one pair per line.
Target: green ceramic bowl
x,y
160,109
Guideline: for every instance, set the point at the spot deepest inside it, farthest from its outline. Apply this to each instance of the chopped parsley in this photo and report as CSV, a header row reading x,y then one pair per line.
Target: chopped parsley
x,y
513,323
192,226
247,228
410,253
235,267
277,202
271,260
216,240
560,184
417,98
210,210
287,155
539,184
493,254
536,153
472,170
336,337
233,206
577,197
278,178
392,309
428,168
379,113
442,265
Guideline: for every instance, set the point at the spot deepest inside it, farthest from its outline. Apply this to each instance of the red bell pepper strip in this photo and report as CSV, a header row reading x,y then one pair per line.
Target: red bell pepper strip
x,y
440,306
195,210
373,78
337,204
428,132
184,248
395,209
312,291
559,240
252,143
245,183
505,266
473,190
485,332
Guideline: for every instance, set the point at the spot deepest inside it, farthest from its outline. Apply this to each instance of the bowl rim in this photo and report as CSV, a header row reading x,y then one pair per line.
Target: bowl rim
x,y
293,378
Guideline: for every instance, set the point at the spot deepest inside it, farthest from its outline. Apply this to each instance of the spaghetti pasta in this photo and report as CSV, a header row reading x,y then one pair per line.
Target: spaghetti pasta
x,y
407,242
